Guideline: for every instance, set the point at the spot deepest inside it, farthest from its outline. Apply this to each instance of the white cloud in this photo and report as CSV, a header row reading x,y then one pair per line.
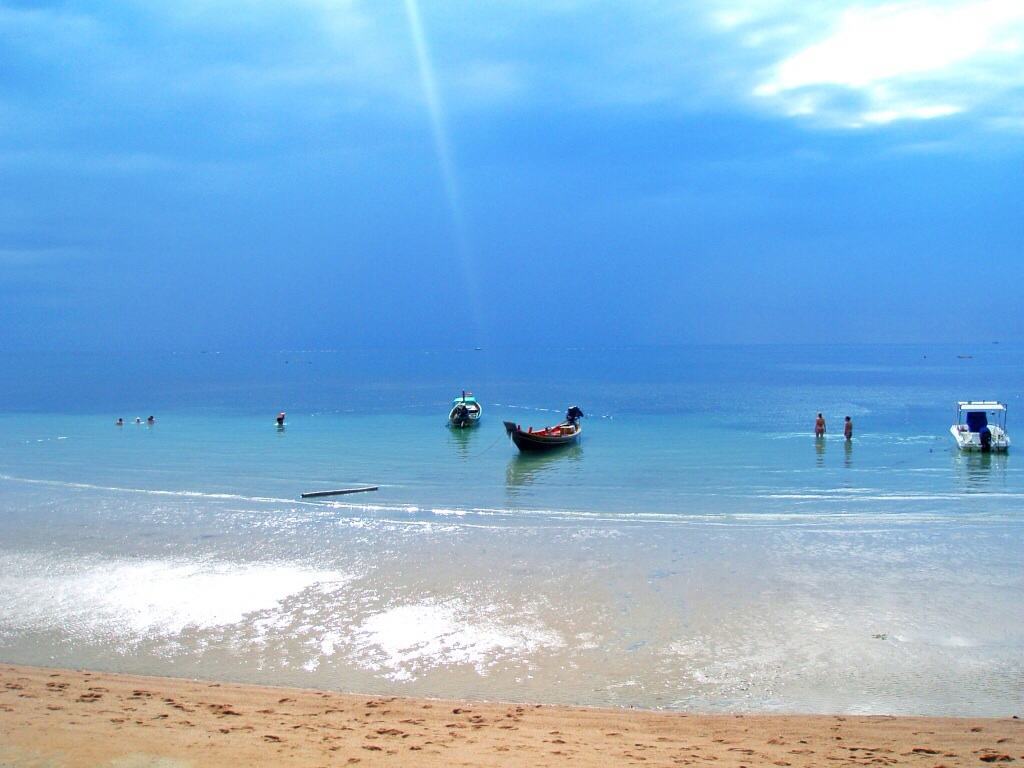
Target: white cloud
x,y
883,116
893,41
902,61
301,65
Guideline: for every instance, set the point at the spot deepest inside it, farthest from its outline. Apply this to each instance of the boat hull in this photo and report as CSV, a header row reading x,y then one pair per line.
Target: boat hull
x,y
464,415
970,442
534,442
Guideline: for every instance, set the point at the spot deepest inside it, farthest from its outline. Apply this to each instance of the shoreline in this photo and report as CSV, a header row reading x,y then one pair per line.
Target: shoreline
x,y
77,718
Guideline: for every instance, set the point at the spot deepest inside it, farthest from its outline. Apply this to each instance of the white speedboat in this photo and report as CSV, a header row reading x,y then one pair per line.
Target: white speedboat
x,y
981,426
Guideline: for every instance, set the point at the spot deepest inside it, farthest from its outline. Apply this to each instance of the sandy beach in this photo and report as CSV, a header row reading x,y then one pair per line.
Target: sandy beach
x,y
56,717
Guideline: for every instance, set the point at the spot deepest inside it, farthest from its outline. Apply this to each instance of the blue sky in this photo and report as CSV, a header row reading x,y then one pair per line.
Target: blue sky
x,y
315,174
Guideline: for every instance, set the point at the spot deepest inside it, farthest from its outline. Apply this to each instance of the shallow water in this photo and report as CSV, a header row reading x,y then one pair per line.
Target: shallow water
x,y
698,550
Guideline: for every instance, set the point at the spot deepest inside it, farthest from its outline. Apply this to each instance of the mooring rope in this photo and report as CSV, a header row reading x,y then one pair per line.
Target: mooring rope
x,y
485,450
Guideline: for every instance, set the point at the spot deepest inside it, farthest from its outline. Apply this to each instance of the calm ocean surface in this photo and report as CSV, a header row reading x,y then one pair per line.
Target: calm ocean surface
x,y
698,550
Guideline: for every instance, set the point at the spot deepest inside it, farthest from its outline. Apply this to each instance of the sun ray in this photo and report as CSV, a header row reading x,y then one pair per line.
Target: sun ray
x,y
445,161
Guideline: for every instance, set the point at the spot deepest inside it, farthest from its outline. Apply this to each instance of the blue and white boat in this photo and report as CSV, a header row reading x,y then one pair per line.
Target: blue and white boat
x,y
465,412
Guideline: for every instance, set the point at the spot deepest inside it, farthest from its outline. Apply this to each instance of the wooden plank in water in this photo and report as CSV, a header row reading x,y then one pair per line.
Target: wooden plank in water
x,y
338,492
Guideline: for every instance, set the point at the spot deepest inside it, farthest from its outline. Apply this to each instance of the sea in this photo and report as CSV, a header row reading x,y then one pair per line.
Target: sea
x,y
699,550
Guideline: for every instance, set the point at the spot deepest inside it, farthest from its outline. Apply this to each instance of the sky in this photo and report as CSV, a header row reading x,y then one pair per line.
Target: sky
x,y
320,174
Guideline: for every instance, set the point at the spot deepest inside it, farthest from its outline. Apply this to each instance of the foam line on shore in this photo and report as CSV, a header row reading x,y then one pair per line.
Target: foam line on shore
x,y
816,518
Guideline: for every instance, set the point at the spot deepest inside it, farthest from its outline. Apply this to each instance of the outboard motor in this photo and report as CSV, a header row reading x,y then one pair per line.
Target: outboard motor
x,y
986,439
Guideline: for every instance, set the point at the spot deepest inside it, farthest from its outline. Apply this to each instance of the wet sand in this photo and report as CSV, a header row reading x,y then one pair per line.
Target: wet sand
x,y
57,718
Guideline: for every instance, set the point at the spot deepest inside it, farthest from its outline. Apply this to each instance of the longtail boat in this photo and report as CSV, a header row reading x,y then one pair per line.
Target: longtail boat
x,y
465,412
566,433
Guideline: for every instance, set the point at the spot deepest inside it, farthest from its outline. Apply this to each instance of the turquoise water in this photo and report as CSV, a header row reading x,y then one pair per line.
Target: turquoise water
x,y
699,549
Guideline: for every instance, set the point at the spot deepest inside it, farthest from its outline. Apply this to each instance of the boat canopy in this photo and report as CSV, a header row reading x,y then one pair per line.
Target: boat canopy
x,y
981,405
467,398
976,421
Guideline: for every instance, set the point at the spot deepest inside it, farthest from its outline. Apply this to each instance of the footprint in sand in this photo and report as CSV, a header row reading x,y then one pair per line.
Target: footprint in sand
x,y
223,710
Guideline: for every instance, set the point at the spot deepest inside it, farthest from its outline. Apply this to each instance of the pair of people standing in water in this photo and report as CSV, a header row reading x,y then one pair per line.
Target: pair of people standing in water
x,y
819,427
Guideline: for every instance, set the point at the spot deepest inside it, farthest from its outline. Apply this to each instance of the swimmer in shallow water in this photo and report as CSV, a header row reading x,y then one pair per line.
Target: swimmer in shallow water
x,y
819,426
119,422
280,419
150,420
